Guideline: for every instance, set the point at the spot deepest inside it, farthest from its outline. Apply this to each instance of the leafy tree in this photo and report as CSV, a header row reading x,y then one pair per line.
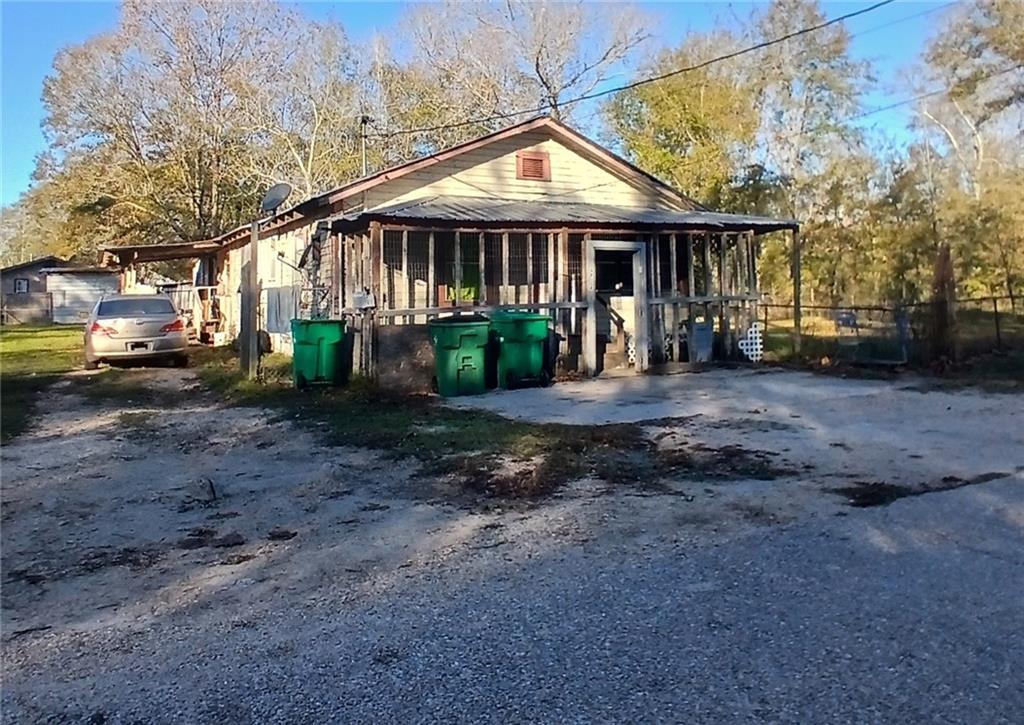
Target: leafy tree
x,y
692,129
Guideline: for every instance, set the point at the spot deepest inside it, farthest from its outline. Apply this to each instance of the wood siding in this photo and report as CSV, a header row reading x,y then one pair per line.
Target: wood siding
x,y
490,172
74,294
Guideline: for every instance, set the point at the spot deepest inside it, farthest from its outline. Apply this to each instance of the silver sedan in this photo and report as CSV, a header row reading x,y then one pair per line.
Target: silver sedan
x,y
124,328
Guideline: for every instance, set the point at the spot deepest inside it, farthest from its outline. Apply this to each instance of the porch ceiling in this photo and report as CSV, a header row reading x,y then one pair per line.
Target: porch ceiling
x,y
453,210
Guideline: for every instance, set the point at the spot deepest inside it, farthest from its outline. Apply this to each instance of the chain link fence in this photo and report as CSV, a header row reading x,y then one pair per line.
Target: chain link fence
x,y
915,334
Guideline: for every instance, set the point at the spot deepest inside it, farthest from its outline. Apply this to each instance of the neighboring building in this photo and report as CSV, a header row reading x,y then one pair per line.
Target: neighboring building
x,y
535,216
25,300
76,290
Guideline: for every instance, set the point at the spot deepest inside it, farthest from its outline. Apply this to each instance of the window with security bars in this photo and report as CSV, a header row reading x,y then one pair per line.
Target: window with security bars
x,y
575,265
492,259
539,258
517,244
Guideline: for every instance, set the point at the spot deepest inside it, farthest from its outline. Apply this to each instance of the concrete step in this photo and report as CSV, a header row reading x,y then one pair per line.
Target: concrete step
x,y
613,360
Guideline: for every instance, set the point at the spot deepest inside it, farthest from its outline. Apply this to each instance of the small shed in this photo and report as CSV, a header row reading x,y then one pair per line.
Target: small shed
x,y
76,290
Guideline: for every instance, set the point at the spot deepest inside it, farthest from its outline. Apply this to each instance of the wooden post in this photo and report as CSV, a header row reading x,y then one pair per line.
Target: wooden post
x,y
410,286
503,293
337,278
431,287
482,249
563,265
376,262
590,318
795,272
723,288
529,270
458,269
751,264
562,289
657,312
706,239
552,279
249,352
643,324
691,288
673,255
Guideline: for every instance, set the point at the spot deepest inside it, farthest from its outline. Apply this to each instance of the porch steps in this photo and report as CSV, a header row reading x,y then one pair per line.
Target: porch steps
x,y
615,360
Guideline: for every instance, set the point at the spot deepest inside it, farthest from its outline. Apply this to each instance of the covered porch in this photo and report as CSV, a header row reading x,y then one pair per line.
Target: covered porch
x,y
626,288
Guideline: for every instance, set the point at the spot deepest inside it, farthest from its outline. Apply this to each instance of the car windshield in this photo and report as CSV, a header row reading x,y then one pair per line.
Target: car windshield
x,y
134,308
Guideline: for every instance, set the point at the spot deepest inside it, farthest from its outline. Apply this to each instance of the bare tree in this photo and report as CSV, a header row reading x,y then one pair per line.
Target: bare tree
x,y
525,55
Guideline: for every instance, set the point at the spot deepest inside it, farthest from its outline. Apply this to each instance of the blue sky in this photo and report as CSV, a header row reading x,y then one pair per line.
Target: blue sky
x,y
32,32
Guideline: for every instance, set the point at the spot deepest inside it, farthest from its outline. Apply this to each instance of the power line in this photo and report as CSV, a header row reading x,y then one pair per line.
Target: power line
x,y
929,94
643,81
905,18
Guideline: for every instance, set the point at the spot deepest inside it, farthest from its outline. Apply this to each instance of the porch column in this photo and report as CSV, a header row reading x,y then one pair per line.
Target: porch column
x,y
590,318
723,290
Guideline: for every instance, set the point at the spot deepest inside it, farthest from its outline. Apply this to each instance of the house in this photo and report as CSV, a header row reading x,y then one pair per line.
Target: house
x,y
25,300
75,290
535,216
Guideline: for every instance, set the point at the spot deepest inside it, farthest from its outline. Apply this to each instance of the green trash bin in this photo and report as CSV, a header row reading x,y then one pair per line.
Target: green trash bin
x,y
318,352
522,339
460,348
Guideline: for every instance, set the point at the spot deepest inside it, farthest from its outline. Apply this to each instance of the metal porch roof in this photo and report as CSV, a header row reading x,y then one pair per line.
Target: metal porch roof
x,y
470,210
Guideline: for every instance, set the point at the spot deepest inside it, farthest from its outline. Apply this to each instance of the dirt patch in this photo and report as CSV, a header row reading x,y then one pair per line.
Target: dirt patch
x,y
863,494
88,562
697,461
646,464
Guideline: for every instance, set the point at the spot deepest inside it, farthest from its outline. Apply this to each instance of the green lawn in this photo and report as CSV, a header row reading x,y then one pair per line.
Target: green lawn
x,y
31,358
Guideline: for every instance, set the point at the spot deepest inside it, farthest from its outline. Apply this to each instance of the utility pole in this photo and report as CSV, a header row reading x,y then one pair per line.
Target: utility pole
x,y
364,121
249,339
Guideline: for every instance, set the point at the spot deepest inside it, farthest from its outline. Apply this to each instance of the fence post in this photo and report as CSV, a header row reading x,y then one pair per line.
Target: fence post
x,y
999,334
795,274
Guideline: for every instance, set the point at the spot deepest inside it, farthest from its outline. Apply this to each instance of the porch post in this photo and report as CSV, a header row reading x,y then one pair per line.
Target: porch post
x,y
431,291
376,287
503,294
530,297
723,285
657,312
640,313
673,253
563,317
590,318
410,287
691,287
458,269
483,267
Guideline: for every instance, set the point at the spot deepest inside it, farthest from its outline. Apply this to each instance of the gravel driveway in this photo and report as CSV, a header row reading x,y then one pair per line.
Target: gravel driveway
x,y
597,605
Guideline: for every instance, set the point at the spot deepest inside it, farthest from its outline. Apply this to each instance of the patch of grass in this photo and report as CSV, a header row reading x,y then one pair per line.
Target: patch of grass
x,y
31,359
136,419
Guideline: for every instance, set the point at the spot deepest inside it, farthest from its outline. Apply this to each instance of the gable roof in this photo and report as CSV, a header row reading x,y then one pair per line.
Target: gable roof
x,y
50,260
319,206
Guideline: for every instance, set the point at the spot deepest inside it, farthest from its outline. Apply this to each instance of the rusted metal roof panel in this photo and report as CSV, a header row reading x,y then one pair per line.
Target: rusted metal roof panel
x,y
471,210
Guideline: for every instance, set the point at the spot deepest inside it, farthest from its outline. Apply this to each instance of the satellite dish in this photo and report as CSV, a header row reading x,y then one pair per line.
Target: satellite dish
x,y
275,196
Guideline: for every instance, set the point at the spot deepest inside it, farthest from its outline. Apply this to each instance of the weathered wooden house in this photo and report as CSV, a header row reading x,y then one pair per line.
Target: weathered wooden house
x,y
534,216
